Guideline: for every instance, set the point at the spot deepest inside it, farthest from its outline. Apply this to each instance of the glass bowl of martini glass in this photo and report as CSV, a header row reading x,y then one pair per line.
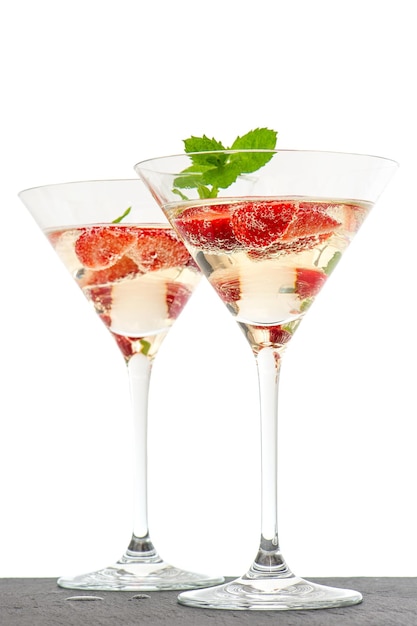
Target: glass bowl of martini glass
x,y
267,228
138,276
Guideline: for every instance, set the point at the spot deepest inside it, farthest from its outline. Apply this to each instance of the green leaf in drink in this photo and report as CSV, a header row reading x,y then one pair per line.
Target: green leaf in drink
x,y
211,171
146,346
121,217
332,263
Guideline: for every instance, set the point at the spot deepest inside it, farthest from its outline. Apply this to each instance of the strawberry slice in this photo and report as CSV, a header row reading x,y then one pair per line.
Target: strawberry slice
x,y
291,246
279,335
157,248
102,299
310,219
259,224
308,282
54,236
264,336
228,289
123,268
207,227
99,247
177,296
276,226
125,345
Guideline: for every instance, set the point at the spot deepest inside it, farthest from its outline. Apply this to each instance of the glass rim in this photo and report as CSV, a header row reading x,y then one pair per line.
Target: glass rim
x,y
80,182
140,164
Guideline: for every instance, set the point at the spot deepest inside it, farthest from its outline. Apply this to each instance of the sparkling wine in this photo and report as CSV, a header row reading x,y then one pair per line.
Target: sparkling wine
x,y
138,278
268,258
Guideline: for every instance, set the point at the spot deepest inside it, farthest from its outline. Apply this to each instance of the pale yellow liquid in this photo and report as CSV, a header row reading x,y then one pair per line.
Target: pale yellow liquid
x,y
260,285
139,307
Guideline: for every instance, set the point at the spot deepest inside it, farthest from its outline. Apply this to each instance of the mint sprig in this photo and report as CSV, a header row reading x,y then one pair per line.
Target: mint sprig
x,y
121,217
210,172
332,263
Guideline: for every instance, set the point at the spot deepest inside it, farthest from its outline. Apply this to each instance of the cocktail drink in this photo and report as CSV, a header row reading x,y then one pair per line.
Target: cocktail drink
x,y
138,276
119,267
271,258
267,228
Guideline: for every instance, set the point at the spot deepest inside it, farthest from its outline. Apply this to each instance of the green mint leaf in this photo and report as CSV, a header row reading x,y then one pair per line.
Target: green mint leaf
x,y
258,139
204,144
222,176
191,177
180,194
291,327
306,304
332,263
121,217
250,162
211,172
145,346
205,192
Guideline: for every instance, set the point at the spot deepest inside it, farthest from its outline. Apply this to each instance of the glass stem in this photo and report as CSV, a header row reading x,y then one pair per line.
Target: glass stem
x,y
139,369
269,560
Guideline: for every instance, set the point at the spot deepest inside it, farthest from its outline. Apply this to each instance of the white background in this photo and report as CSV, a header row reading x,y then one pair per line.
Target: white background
x,y
88,89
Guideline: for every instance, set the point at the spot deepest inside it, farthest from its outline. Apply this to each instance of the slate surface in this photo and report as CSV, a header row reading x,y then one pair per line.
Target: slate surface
x,y
40,602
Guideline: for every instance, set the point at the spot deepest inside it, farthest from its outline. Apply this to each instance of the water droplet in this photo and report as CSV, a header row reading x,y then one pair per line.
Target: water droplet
x,y
140,596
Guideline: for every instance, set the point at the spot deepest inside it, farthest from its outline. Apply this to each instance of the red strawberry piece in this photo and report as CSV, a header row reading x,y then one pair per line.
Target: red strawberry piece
x,y
207,227
282,226
125,345
319,206
54,236
123,268
99,247
192,264
310,219
259,224
177,296
303,243
271,335
279,335
158,248
102,300
228,290
353,216
291,246
308,282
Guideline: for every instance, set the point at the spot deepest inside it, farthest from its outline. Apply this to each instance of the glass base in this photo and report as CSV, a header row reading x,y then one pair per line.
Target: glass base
x,y
139,577
277,594
140,569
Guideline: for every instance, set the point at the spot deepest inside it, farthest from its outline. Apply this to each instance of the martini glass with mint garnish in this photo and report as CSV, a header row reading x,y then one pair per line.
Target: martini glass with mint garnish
x,y
138,276
267,228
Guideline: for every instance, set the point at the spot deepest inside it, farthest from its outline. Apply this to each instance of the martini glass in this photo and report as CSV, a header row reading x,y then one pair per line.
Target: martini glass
x,y
267,228
137,275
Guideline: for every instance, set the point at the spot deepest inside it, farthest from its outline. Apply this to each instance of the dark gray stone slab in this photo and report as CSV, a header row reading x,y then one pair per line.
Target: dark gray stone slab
x,y
40,602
